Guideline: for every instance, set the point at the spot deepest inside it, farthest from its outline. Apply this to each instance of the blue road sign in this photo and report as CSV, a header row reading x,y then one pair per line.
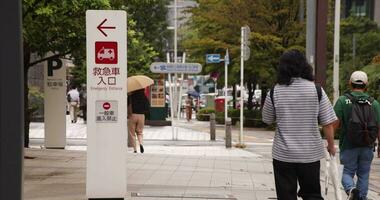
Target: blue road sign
x,y
213,58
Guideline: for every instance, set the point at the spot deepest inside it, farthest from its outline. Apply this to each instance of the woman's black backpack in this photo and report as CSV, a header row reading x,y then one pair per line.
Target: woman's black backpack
x,y
362,127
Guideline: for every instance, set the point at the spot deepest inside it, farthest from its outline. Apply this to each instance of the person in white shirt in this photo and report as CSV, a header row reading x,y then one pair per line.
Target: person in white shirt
x,y
73,100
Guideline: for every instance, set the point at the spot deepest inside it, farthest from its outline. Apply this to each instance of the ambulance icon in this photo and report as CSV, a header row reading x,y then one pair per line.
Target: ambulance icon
x,y
106,52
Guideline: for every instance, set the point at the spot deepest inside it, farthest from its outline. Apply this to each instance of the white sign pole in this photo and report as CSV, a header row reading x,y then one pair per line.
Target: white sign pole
x,y
241,86
180,95
336,51
175,55
106,32
55,104
171,98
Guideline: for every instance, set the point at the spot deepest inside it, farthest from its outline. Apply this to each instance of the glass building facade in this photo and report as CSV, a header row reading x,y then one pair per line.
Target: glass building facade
x,y
362,8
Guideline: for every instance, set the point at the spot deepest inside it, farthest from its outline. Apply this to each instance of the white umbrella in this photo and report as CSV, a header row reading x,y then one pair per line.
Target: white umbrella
x,y
138,82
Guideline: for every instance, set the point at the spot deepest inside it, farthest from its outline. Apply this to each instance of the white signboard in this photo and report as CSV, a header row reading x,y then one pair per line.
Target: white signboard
x,y
55,104
186,68
106,32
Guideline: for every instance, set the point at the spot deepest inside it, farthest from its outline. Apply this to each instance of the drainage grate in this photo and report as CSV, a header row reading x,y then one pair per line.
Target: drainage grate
x,y
184,196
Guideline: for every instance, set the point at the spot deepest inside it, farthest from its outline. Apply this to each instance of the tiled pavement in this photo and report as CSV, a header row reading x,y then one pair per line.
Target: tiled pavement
x,y
192,168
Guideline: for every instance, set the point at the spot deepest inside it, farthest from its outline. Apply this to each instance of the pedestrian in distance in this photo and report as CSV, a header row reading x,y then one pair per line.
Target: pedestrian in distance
x,y
73,100
359,124
189,107
296,105
138,106
83,102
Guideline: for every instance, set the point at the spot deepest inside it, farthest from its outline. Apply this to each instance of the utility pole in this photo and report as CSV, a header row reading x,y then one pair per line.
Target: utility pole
x,y
310,31
336,50
244,55
11,102
321,43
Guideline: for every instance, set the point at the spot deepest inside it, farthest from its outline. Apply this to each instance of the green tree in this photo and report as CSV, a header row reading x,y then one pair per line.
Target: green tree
x,y
55,26
215,25
150,20
362,34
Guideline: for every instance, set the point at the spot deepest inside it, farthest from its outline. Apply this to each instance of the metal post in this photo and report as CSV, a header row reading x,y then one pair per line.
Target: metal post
x,y
226,62
241,86
180,96
171,98
321,44
175,51
11,102
212,126
301,11
336,50
228,133
310,31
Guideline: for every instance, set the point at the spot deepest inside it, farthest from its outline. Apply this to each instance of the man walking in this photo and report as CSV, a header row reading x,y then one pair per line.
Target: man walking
x,y
73,100
359,121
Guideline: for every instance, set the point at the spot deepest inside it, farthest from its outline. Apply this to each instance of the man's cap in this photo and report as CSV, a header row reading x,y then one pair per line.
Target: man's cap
x,y
359,77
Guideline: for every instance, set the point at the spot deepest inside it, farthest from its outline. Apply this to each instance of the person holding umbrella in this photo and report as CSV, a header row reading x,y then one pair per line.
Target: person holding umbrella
x,y
138,106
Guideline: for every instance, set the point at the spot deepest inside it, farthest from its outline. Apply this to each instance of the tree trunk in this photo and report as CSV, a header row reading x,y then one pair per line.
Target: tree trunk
x,y
26,95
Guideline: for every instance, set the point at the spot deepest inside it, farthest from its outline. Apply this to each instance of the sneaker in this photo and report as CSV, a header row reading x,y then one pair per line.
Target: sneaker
x,y
141,148
353,194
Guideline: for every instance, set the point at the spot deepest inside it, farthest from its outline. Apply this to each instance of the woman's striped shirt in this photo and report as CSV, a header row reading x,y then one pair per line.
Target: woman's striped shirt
x,y
296,112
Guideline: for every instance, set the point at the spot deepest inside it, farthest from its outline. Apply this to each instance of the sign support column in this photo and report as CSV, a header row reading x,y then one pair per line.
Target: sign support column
x,y
106,32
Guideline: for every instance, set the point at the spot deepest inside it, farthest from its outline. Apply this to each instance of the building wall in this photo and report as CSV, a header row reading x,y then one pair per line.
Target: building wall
x,y
377,12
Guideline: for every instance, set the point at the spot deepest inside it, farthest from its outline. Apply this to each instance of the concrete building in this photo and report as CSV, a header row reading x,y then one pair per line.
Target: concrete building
x,y
364,8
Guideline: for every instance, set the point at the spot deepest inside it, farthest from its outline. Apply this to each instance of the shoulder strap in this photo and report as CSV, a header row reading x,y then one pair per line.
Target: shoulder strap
x,y
271,95
319,92
349,96
317,87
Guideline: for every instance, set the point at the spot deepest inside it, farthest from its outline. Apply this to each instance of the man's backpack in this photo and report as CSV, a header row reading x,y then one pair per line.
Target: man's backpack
x,y
362,128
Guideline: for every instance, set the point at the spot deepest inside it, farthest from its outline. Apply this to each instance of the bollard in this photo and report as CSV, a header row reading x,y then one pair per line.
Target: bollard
x,y
212,126
228,133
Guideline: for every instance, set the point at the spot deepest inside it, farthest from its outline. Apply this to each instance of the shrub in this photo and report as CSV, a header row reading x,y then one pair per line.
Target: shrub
x,y
252,118
204,114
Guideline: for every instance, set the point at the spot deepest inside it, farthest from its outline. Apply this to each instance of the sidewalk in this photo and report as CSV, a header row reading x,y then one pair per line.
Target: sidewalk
x,y
190,168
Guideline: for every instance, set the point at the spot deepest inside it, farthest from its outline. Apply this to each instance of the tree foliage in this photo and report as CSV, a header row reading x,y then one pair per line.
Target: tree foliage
x,y
359,47
57,27
215,25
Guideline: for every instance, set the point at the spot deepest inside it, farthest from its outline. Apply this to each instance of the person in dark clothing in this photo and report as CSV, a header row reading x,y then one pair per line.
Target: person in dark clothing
x,y
83,102
138,106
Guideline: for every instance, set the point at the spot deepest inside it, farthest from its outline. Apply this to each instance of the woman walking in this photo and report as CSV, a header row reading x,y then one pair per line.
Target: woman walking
x,y
296,105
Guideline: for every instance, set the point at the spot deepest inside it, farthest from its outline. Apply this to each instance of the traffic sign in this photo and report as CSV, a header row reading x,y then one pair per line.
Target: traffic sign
x,y
167,68
213,58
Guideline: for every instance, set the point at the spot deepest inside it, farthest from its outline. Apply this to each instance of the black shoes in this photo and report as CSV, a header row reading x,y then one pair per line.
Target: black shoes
x,y
353,194
141,148
134,151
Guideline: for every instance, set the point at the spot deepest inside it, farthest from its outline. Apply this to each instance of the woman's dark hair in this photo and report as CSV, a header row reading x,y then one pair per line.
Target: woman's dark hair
x,y
293,64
